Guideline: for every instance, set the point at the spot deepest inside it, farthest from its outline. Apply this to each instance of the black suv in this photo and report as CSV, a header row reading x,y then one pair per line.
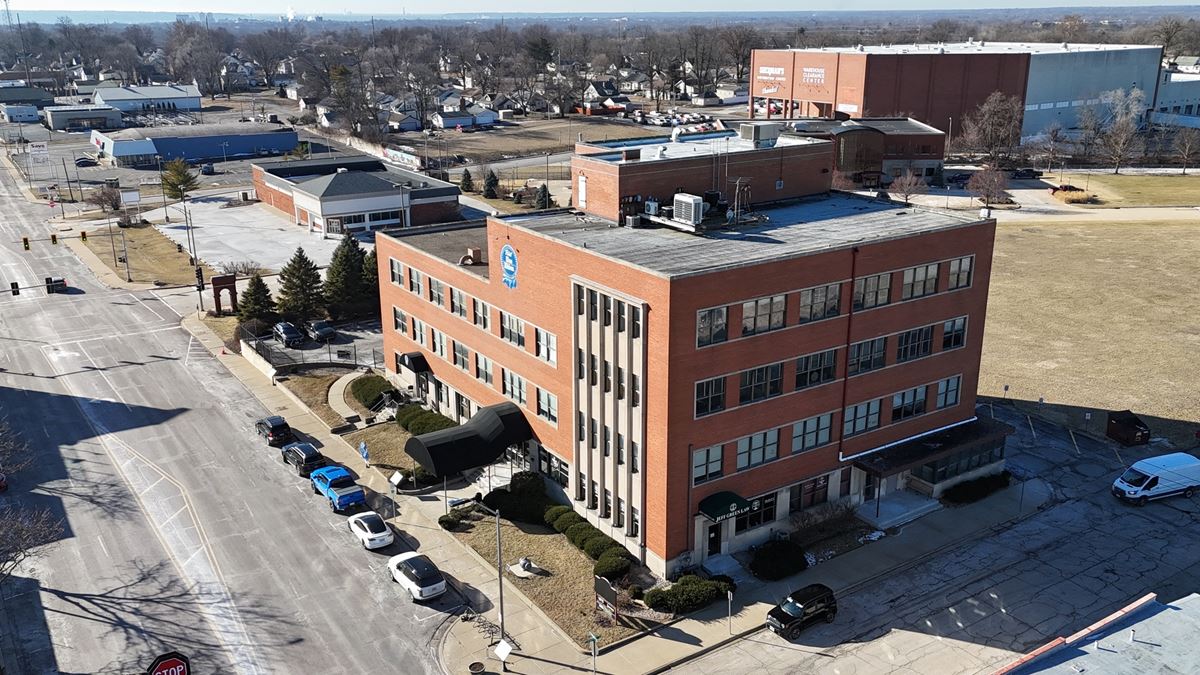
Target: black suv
x,y
320,331
276,430
303,456
801,608
1026,173
288,334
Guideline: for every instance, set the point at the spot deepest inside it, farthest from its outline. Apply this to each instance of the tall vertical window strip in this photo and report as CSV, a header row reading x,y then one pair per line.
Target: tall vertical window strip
x,y
437,292
919,281
397,271
960,272
547,406
820,303
482,315
399,320
458,303
757,449
763,314
947,395
811,433
860,418
483,368
954,333
710,326
710,396
914,344
908,403
512,329
546,345
814,369
866,356
873,291
414,280
706,464
635,322
461,358
760,383
514,386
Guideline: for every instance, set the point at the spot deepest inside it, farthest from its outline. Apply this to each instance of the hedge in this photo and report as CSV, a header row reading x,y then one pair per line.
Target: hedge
x,y
636,592
612,568
778,559
524,499
725,581
554,512
367,390
977,488
566,520
596,546
688,594
429,422
578,534
408,413
449,522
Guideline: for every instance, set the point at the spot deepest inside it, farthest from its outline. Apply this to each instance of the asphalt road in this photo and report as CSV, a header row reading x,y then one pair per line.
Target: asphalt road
x,y
182,530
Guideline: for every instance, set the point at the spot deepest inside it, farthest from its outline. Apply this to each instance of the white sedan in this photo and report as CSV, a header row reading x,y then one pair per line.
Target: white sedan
x,y
418,575
371,530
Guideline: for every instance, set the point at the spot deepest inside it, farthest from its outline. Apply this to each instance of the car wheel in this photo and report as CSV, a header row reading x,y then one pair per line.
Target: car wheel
x,y
1189,492
283,458
792,633
300,472
315,490
411,596
830,616
333,506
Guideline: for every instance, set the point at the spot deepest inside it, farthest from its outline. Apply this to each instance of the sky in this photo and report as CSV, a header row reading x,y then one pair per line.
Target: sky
x,y
376,7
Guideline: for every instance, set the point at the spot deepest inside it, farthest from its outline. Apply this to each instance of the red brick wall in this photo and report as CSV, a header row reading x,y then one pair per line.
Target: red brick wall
x,y
272,197
436,212
908,146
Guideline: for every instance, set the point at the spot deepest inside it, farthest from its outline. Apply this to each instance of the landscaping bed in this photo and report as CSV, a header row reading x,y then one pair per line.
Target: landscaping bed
x,y
152,255
385,444
312,387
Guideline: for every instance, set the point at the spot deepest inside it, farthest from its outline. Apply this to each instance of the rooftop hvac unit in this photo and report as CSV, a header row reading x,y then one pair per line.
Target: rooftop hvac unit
x,y
631,221
689,209
651,207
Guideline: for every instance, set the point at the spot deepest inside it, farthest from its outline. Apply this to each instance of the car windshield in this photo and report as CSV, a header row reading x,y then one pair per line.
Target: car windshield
x,y
341,482
792,607
373,523
424,570
1134,477
320,325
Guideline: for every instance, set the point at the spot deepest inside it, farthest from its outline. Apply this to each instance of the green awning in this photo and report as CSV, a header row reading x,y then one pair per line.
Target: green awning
x,y
723,506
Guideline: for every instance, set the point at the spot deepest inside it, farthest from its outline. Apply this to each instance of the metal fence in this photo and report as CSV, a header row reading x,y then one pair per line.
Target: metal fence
x,y
313,353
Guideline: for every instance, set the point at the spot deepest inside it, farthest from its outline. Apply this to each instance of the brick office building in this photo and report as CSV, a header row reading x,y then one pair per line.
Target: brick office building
x,y
874,150
687,391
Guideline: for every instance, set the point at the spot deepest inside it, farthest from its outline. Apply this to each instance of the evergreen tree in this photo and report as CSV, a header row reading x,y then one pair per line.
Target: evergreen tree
x,y
300,296
343,279
468,183
490,183
543,201
178,179
369,307
256,302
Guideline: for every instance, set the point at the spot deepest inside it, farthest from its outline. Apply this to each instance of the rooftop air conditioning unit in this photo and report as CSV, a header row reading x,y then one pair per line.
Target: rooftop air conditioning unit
x,y
651,207
689,209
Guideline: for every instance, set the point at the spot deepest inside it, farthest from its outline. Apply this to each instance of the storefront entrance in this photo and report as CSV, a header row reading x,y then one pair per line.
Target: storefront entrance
x,y
714,539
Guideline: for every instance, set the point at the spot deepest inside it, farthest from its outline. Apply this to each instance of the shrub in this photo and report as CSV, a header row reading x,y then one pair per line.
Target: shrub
x,y
420,475
611,567
449,522
688,594
566,520
778,559
369,389
408,413
579,533
554,512
636,592
724,582
656,599
977,488
527,483
596,546
527,509
430,422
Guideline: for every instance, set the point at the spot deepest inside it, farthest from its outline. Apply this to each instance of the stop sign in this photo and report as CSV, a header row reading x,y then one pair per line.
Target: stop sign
x,y
172,663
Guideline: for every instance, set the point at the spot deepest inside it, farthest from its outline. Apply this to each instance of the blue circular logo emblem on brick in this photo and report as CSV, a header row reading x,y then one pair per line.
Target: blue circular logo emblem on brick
x,y
508,266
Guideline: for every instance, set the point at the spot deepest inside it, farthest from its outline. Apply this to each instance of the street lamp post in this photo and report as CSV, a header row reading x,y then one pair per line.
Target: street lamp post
x,y
499,571
224,152
162,188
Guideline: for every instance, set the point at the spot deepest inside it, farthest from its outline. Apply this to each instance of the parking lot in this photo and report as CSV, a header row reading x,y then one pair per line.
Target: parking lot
x,y
357,342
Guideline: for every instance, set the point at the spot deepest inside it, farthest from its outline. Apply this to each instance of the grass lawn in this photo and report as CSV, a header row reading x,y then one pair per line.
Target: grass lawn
x,y
566,595
1137,189
1097,316
224,326
312,387
152,256
385,444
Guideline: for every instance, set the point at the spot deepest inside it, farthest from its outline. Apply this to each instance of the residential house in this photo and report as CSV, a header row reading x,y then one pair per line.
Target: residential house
x,y
402,121
598,90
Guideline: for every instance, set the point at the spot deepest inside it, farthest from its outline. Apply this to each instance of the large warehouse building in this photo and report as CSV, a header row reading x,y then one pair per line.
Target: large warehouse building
x,y
940,84
196,143
687,383
151,98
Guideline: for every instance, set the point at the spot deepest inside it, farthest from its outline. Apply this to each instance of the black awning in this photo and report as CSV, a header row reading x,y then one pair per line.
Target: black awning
x,y
914,453
479,442
721,506
415,361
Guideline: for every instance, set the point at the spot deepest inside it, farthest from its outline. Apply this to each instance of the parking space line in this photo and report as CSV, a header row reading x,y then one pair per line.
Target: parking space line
x,y
181,510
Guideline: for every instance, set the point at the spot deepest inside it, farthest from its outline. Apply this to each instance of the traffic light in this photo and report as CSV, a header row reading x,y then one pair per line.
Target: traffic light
x,y
83,235
54,239
16,288
25,242
199,278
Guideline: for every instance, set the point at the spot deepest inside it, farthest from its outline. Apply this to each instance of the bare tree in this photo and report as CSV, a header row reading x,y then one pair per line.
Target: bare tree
x,y
1168,32
140,36
1187,146
994,129
269,49
1120,138
26,533
842,181
1090,127
105,198
737,42
907,185
1052,143
989,185
15,455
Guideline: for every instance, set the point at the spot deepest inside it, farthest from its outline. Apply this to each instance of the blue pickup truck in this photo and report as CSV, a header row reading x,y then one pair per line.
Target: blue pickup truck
x,y
337,485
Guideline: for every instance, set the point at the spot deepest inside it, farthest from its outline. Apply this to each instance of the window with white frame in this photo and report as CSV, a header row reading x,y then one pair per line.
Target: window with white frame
x,y
954,333
706,464
913,344
919,281
757,449
820,303
634,523
860,418
866,356
763,314
461,358
811,433
437,292
483,368
546,345
872,291
439,342
908,403
482,315
760,383
547,407
514,386
947,395
512,329
399,320
397,271
458,303
418,331
960,272
415,281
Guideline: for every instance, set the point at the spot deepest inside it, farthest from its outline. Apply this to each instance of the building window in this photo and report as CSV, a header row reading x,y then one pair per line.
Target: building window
x,y
811,433
762,513
512,329
607,441
710,396
607,504
458,303
620,448
815,369
619,515
580,427
620,383
547,407
552,467
635,391
437,292
397,271
592,369
593,434
757,449
634,521
710,326
635,322
461,359
909,403
514,386
414,281
867,355
482,316
439,342
607,376
860,418
948,392
914,344
954,333
383,215
399,321
593,301
546,345
607,302
809,494
820,303
960,272
956,465
580,364
621,320
418,331
919,281
760,383
594,496
483,368
763,314
580,304
354,219
872,291
634,455
706,464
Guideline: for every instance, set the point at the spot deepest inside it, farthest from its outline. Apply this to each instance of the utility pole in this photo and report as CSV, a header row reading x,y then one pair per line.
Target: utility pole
x,y
67,176
125,251
162,188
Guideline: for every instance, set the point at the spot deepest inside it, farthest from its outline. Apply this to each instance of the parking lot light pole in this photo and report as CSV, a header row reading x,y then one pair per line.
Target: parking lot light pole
x,y
224,152
162,188
499,569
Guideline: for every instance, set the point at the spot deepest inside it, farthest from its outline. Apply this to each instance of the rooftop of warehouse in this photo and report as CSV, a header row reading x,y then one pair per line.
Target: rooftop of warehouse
x,y
196,131
686,145
784,230
976,47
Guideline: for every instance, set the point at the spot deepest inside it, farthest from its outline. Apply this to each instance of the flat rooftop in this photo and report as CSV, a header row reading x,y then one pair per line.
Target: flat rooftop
x,y
887,125
449,242
976,47
196,130
691,145
787,230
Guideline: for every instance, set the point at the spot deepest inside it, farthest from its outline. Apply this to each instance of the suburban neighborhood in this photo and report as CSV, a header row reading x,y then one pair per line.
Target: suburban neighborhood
x,y
716,340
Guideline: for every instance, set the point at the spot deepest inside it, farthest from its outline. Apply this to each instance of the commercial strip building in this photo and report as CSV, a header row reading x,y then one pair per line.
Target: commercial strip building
x,y
79,117
343,193
22,95
150,98
687,385
146,146
18,113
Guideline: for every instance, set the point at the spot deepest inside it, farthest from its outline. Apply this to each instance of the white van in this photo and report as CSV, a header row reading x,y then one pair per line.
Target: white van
x,y
1159,477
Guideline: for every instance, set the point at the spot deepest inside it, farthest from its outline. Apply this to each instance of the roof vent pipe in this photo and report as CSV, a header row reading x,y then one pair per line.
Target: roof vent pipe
x,y
341,169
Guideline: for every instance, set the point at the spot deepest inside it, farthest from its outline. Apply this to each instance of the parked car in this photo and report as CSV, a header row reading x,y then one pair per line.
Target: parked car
x,y
1158,477
320,331
288,334
371,530
418,575
337,485
82,162
1026,173
304,457
801,608
959,179
276,430
207,169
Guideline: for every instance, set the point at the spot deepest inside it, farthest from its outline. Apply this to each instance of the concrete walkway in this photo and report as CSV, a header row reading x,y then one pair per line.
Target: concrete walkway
x,y
337,398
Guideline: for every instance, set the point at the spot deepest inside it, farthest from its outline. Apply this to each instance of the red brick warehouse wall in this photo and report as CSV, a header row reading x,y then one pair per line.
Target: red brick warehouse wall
x,y
272,197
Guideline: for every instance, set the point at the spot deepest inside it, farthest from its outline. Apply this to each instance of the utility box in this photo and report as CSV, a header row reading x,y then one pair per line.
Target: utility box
x,y
1127,429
